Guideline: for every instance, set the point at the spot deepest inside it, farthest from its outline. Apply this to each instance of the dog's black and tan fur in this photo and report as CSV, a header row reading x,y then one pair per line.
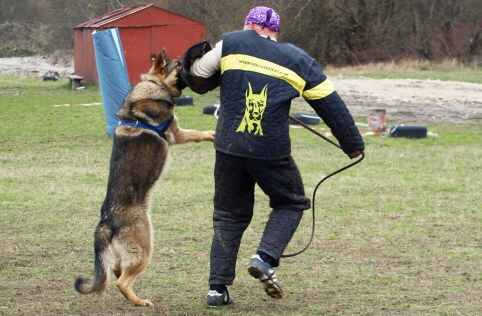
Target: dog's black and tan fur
x,y
123,239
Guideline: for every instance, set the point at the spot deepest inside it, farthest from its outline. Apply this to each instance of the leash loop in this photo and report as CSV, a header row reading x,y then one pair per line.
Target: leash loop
x,y
319,183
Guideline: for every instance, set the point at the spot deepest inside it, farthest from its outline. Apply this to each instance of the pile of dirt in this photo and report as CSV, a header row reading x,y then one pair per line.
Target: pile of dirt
x,y
60,62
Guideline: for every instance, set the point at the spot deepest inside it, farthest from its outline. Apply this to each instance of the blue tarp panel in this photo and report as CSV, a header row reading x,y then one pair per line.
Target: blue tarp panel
x,y
113,78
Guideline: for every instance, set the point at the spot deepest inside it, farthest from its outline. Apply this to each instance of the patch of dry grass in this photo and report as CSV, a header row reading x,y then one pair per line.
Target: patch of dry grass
x,y
448,69
400,66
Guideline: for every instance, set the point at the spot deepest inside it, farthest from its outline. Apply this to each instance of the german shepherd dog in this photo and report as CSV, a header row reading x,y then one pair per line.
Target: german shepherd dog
x,y
123,239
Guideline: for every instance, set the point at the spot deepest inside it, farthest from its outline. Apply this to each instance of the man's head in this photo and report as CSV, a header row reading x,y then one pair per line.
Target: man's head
x,y
264,17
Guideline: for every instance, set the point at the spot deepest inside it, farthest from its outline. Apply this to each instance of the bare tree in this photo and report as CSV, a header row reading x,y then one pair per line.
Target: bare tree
x,y
332,31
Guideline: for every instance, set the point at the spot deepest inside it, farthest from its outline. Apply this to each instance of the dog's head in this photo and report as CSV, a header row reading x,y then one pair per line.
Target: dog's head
x,y
152,99
166,70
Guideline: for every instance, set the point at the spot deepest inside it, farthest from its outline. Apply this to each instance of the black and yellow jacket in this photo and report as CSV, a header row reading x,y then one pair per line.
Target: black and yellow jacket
x,y
260,77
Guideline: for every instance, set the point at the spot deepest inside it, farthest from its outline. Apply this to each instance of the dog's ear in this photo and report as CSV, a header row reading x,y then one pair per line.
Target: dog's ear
x,y
159,67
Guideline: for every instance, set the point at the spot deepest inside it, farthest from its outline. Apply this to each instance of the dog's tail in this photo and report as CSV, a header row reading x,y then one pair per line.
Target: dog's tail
x,y
103,235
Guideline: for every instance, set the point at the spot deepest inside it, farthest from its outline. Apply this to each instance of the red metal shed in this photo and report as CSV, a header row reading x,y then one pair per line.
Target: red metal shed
x,y
144,31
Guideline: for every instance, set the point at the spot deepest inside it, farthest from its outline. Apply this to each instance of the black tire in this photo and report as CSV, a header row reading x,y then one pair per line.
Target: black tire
x,y
187,100
209,109
308,119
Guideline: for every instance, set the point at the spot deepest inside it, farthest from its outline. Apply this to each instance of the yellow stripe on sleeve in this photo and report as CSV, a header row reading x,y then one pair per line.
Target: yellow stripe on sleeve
x,y
322,90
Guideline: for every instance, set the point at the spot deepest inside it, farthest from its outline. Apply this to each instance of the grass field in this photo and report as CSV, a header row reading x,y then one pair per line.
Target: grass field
x,y
399,234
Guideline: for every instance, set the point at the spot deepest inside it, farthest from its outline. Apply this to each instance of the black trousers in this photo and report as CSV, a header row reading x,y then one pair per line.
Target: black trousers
x,y
235,179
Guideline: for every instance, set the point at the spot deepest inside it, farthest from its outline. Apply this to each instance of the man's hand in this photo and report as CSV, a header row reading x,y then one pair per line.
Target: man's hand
x,y
355,154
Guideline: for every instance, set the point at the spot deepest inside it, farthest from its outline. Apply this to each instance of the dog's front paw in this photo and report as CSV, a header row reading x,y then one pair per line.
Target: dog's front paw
x,y
209,135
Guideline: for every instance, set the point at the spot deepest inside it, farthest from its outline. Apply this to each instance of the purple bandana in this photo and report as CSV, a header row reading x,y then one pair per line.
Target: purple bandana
x,y
265,17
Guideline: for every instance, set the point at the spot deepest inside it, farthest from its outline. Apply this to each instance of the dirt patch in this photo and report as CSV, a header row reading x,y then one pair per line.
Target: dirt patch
x,y
60,62
407,101
413,101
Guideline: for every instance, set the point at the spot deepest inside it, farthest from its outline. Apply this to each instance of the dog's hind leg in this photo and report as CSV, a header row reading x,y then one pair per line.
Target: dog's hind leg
x,y
136,254
125,283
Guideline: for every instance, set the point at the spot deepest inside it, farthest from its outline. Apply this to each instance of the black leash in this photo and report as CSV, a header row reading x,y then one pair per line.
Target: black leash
x,y
319,183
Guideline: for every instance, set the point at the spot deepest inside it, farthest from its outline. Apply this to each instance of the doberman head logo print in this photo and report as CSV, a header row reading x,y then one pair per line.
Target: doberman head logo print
x,y
255,106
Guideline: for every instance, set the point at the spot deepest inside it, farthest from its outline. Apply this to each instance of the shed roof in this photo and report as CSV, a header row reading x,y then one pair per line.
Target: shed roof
x,y
117,15
113,16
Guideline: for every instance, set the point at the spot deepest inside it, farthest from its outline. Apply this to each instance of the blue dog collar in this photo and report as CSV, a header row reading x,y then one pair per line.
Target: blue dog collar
x,y
160,129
